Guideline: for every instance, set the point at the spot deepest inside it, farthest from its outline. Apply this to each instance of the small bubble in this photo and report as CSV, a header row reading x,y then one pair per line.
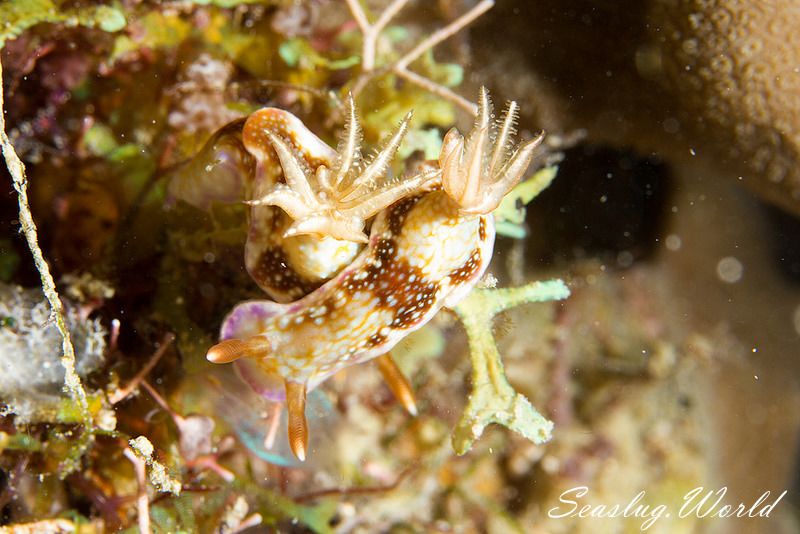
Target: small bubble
x,y
692,152
550,464
208,291
624,259
730,270
673,242
671,125
604,199
209,257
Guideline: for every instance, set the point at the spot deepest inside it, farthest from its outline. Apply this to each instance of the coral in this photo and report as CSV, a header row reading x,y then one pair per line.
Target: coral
x,y
735,65
627,398
298,53
295,19
493,400
151,31
716,77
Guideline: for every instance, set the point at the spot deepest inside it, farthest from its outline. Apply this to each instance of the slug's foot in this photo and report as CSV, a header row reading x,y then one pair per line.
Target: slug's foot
x,y
298,426
397,383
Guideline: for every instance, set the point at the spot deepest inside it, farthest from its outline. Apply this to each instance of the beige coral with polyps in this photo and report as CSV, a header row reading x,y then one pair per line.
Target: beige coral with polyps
x,y
736,64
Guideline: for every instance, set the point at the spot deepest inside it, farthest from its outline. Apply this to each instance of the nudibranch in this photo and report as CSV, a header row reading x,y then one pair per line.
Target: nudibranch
x,y
298,237
310,203
425,251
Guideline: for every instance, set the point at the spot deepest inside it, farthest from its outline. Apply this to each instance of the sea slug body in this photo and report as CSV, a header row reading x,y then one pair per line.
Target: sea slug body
x,y
426,250
287,267
311,203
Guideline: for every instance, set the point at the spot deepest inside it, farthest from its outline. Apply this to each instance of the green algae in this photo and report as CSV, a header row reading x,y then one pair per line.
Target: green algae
x,y
298,52
16,16
157,30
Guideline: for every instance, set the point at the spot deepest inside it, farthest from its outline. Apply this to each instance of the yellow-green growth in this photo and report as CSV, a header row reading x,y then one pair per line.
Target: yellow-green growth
x,y
492,399
510,215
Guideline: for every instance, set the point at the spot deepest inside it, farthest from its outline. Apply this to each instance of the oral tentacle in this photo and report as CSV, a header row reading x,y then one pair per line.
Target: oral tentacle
x,y
231,350
227,351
